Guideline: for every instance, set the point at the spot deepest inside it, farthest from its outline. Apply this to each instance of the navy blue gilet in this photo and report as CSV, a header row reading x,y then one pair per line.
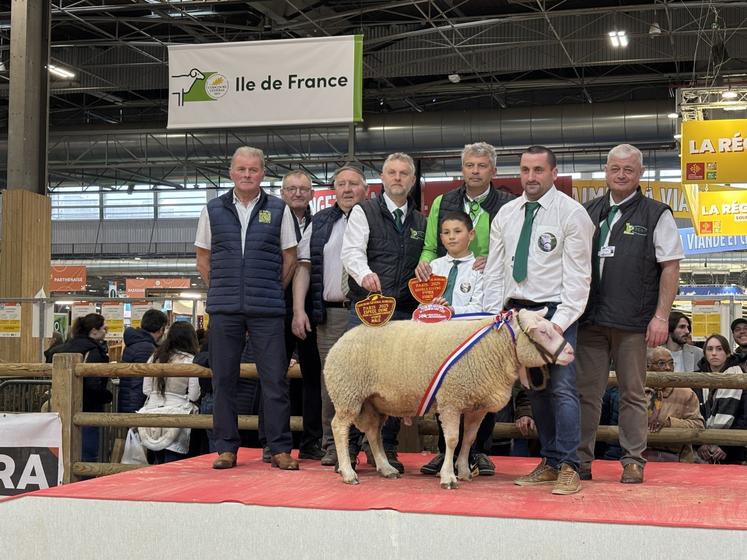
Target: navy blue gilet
x,y
250,283
323,223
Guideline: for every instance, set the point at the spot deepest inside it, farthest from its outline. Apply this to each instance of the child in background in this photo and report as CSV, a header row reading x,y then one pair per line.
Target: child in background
x,y
464,288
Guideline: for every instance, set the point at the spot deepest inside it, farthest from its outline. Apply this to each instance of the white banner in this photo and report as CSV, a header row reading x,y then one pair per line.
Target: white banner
x,y
10,320
263,83
30,452
81,310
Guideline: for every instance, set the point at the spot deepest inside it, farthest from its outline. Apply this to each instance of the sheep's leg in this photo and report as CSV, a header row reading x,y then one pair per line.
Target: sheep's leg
x,y
450,425
472,421
383,466
341,431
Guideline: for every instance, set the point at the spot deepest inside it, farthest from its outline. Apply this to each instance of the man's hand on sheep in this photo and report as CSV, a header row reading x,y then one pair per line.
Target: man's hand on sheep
x,y
423,271
371,282
480,263
301,324
526,425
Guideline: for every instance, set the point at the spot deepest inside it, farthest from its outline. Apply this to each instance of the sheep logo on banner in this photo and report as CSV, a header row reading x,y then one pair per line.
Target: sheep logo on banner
x,y
196,85
547,242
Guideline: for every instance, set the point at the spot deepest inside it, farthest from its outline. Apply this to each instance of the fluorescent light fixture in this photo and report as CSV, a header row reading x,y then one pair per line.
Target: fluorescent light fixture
x,y
729,94
673,115
454,78
735,107
64,302
677,136
60,72
618,38
190,295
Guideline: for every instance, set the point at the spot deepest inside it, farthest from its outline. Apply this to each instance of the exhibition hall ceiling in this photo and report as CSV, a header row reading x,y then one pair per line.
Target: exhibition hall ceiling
x,y
420,57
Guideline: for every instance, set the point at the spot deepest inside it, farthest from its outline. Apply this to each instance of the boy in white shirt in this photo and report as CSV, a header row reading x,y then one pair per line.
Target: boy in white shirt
x,y
464,292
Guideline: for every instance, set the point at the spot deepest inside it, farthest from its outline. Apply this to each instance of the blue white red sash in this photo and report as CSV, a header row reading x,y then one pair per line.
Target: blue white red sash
x,y
435,384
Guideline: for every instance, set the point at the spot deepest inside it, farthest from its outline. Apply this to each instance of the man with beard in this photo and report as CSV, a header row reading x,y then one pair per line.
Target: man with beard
x,y
686,356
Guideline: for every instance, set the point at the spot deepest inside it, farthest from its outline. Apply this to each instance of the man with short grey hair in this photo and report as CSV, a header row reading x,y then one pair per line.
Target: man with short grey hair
x,y
635,274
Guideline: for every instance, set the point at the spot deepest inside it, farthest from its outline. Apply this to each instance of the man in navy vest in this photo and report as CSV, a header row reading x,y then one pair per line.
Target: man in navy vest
x,y
246,254
319,279
380,250
635,273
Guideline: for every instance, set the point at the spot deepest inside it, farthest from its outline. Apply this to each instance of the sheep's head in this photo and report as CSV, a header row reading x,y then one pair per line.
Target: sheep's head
x,y
538,343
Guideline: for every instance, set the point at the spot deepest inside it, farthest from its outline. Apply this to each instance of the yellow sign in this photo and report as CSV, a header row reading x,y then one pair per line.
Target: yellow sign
x,y
10,320
671,194
706,319
714,151
722,213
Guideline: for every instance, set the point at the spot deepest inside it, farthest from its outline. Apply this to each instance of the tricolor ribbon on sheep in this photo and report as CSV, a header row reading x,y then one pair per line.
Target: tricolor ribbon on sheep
x,y
430,394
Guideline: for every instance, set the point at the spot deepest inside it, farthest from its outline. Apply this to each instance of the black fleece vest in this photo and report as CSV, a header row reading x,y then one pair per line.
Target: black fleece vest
x,y
323,222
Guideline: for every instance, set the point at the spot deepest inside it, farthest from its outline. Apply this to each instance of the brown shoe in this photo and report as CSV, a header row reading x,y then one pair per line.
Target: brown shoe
x,y
225,460
632,474
284,462
568,481
542,474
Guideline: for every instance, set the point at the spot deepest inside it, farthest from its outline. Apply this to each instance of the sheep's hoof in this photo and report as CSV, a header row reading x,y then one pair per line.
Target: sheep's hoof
x,y
394,474
467,477
453,485
352,479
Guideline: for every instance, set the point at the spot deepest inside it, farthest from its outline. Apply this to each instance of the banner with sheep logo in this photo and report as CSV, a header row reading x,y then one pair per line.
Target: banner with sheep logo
x,y
266,83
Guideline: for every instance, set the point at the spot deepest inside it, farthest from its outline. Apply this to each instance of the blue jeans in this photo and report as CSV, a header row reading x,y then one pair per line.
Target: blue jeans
x,y
557,412
206,407
391,427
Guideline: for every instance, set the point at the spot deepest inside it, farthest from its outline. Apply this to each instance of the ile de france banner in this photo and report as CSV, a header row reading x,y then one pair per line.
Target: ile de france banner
x,y
266,83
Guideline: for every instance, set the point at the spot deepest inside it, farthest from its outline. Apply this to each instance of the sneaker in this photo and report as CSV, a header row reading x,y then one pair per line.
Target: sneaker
x,y
266,455
313,452
391,455
568,481
434,465
542,474
485,466
330,457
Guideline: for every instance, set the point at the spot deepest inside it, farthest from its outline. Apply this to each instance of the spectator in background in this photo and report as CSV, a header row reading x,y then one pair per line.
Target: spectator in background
x,y
88,340
739,332
175,395
140,344
685,355
55,341
722,408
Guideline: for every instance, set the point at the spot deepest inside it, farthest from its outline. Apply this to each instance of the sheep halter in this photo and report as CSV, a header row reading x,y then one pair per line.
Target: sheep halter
x,y
430,394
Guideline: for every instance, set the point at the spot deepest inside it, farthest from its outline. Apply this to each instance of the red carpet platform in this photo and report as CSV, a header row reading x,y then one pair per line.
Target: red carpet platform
x,y
704,496
188,510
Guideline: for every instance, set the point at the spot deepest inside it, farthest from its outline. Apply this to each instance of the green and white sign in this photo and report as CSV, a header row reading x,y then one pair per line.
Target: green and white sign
x,y
266,83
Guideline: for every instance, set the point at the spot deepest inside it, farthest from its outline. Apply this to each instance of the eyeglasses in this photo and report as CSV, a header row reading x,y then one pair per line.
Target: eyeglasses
x,y
661,364
301,190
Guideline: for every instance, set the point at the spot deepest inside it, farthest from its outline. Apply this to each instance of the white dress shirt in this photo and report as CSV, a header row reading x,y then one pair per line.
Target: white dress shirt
x,y
355,241
667,242
467,294
333,273
287,229
559,262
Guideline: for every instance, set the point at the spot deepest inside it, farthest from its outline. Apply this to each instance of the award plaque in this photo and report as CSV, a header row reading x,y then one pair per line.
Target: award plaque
x,y
426,292
431,313
375,310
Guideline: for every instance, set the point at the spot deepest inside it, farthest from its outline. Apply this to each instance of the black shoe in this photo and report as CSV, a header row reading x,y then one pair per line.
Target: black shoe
x,y
313,452
485,466
330,457
434,465
391,455
584,474
266,455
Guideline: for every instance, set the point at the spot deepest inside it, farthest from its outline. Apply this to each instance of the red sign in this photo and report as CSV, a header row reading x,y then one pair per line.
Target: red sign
x,y
431,313
135,287
376,310
431,189
326,197
68,279
426,292
695,171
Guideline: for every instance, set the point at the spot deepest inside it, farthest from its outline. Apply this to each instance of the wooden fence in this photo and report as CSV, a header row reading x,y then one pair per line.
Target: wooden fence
x,y
67,373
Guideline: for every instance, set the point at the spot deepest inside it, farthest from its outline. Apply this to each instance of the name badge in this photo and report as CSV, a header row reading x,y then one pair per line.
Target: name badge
x,y
606,251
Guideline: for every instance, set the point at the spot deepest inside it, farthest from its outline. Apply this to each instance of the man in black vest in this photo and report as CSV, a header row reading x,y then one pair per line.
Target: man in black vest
x,y
319,278
246,254
476,197
635,273
380,250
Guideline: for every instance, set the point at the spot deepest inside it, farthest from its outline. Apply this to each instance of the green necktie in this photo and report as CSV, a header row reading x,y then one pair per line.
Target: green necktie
x,y
604,227
474,211
398,219
522,248
449,292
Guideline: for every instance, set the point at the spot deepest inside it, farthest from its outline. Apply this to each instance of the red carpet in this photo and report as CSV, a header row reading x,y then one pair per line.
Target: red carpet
x,y
707,496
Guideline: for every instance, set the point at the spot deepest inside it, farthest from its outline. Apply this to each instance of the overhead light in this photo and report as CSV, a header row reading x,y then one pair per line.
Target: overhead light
x,y
677,136
64,302
455,78
618,38
654,29
61,72
729,94
735,107
190,295
3,68
673,115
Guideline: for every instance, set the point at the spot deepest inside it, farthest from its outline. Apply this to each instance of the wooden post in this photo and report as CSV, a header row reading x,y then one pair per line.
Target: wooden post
x,y
67,400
